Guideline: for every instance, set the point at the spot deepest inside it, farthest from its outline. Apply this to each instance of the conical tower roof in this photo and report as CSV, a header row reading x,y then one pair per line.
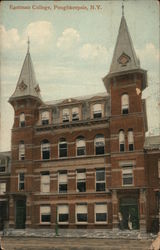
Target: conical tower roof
x,y
27,84
124,56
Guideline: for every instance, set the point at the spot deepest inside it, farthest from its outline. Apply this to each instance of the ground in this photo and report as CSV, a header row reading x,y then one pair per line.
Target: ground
x,y
28,243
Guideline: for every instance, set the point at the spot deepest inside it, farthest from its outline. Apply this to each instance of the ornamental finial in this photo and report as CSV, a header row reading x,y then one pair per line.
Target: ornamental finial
x,y
122,9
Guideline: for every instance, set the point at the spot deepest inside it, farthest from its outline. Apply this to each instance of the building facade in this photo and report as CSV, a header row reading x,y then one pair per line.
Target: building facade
x,y
5,168
80,162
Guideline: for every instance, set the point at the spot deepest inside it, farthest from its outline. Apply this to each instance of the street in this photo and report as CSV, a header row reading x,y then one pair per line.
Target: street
x,y
28,243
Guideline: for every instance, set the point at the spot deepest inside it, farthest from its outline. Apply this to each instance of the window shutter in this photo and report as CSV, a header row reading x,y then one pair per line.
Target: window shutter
x,y
101,208
130,137
62,178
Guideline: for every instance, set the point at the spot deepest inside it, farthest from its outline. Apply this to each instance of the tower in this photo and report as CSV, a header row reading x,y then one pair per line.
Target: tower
x,y
125,83
25,100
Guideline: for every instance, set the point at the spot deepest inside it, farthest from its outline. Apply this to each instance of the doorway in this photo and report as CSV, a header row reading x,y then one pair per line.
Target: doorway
x,y
20,214
130,214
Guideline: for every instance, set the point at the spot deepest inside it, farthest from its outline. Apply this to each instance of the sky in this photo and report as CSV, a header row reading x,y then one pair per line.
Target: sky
x,y
71,46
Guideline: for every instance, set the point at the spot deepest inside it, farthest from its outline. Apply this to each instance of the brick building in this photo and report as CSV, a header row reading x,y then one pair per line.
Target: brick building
x,y
80,162
5,160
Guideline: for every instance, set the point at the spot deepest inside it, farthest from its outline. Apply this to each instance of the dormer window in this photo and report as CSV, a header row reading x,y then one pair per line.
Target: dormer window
x,y
75,114
97,110
22,120
65,115
45,118
125,104
21,150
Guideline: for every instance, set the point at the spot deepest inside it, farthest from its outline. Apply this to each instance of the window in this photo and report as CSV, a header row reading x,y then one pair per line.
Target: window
x,y
130,140
45,182
62,180
21,181
100,212
2,165
121,141
97,111
62,214
75,114
65,115
99,144
2,188
21,151
22,120
62,148
124,103
81,146
158,168
81,180
45,117
100,180
45,150
45,214
81,213
127,176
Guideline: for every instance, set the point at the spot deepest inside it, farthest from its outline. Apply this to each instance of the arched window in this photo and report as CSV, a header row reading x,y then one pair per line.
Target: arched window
x,y
130,140
22,120
97,110
45,150
45,117
62,148
21,150
99,143
124,103
65,115
81,145
75,114
121,141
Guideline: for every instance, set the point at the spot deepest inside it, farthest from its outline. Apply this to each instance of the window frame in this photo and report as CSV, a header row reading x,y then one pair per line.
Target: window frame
x,y
44,149
130,142
97,148
127,170
41,214
65,116
22,120
124,107
58,214
77,114
3,166
78,180
43,120
120,142
21,151
45,183
78,149
3,188
61,142
100,181
63,172
97,114
21,181
76,213
95,217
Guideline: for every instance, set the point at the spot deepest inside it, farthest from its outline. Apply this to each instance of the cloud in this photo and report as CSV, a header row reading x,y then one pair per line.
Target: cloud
x,y
40,34
69,38
93,51
149,54
9,38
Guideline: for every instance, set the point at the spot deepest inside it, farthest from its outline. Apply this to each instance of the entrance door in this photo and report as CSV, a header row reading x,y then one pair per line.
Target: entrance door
x,y
3,214
129,211
20,213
